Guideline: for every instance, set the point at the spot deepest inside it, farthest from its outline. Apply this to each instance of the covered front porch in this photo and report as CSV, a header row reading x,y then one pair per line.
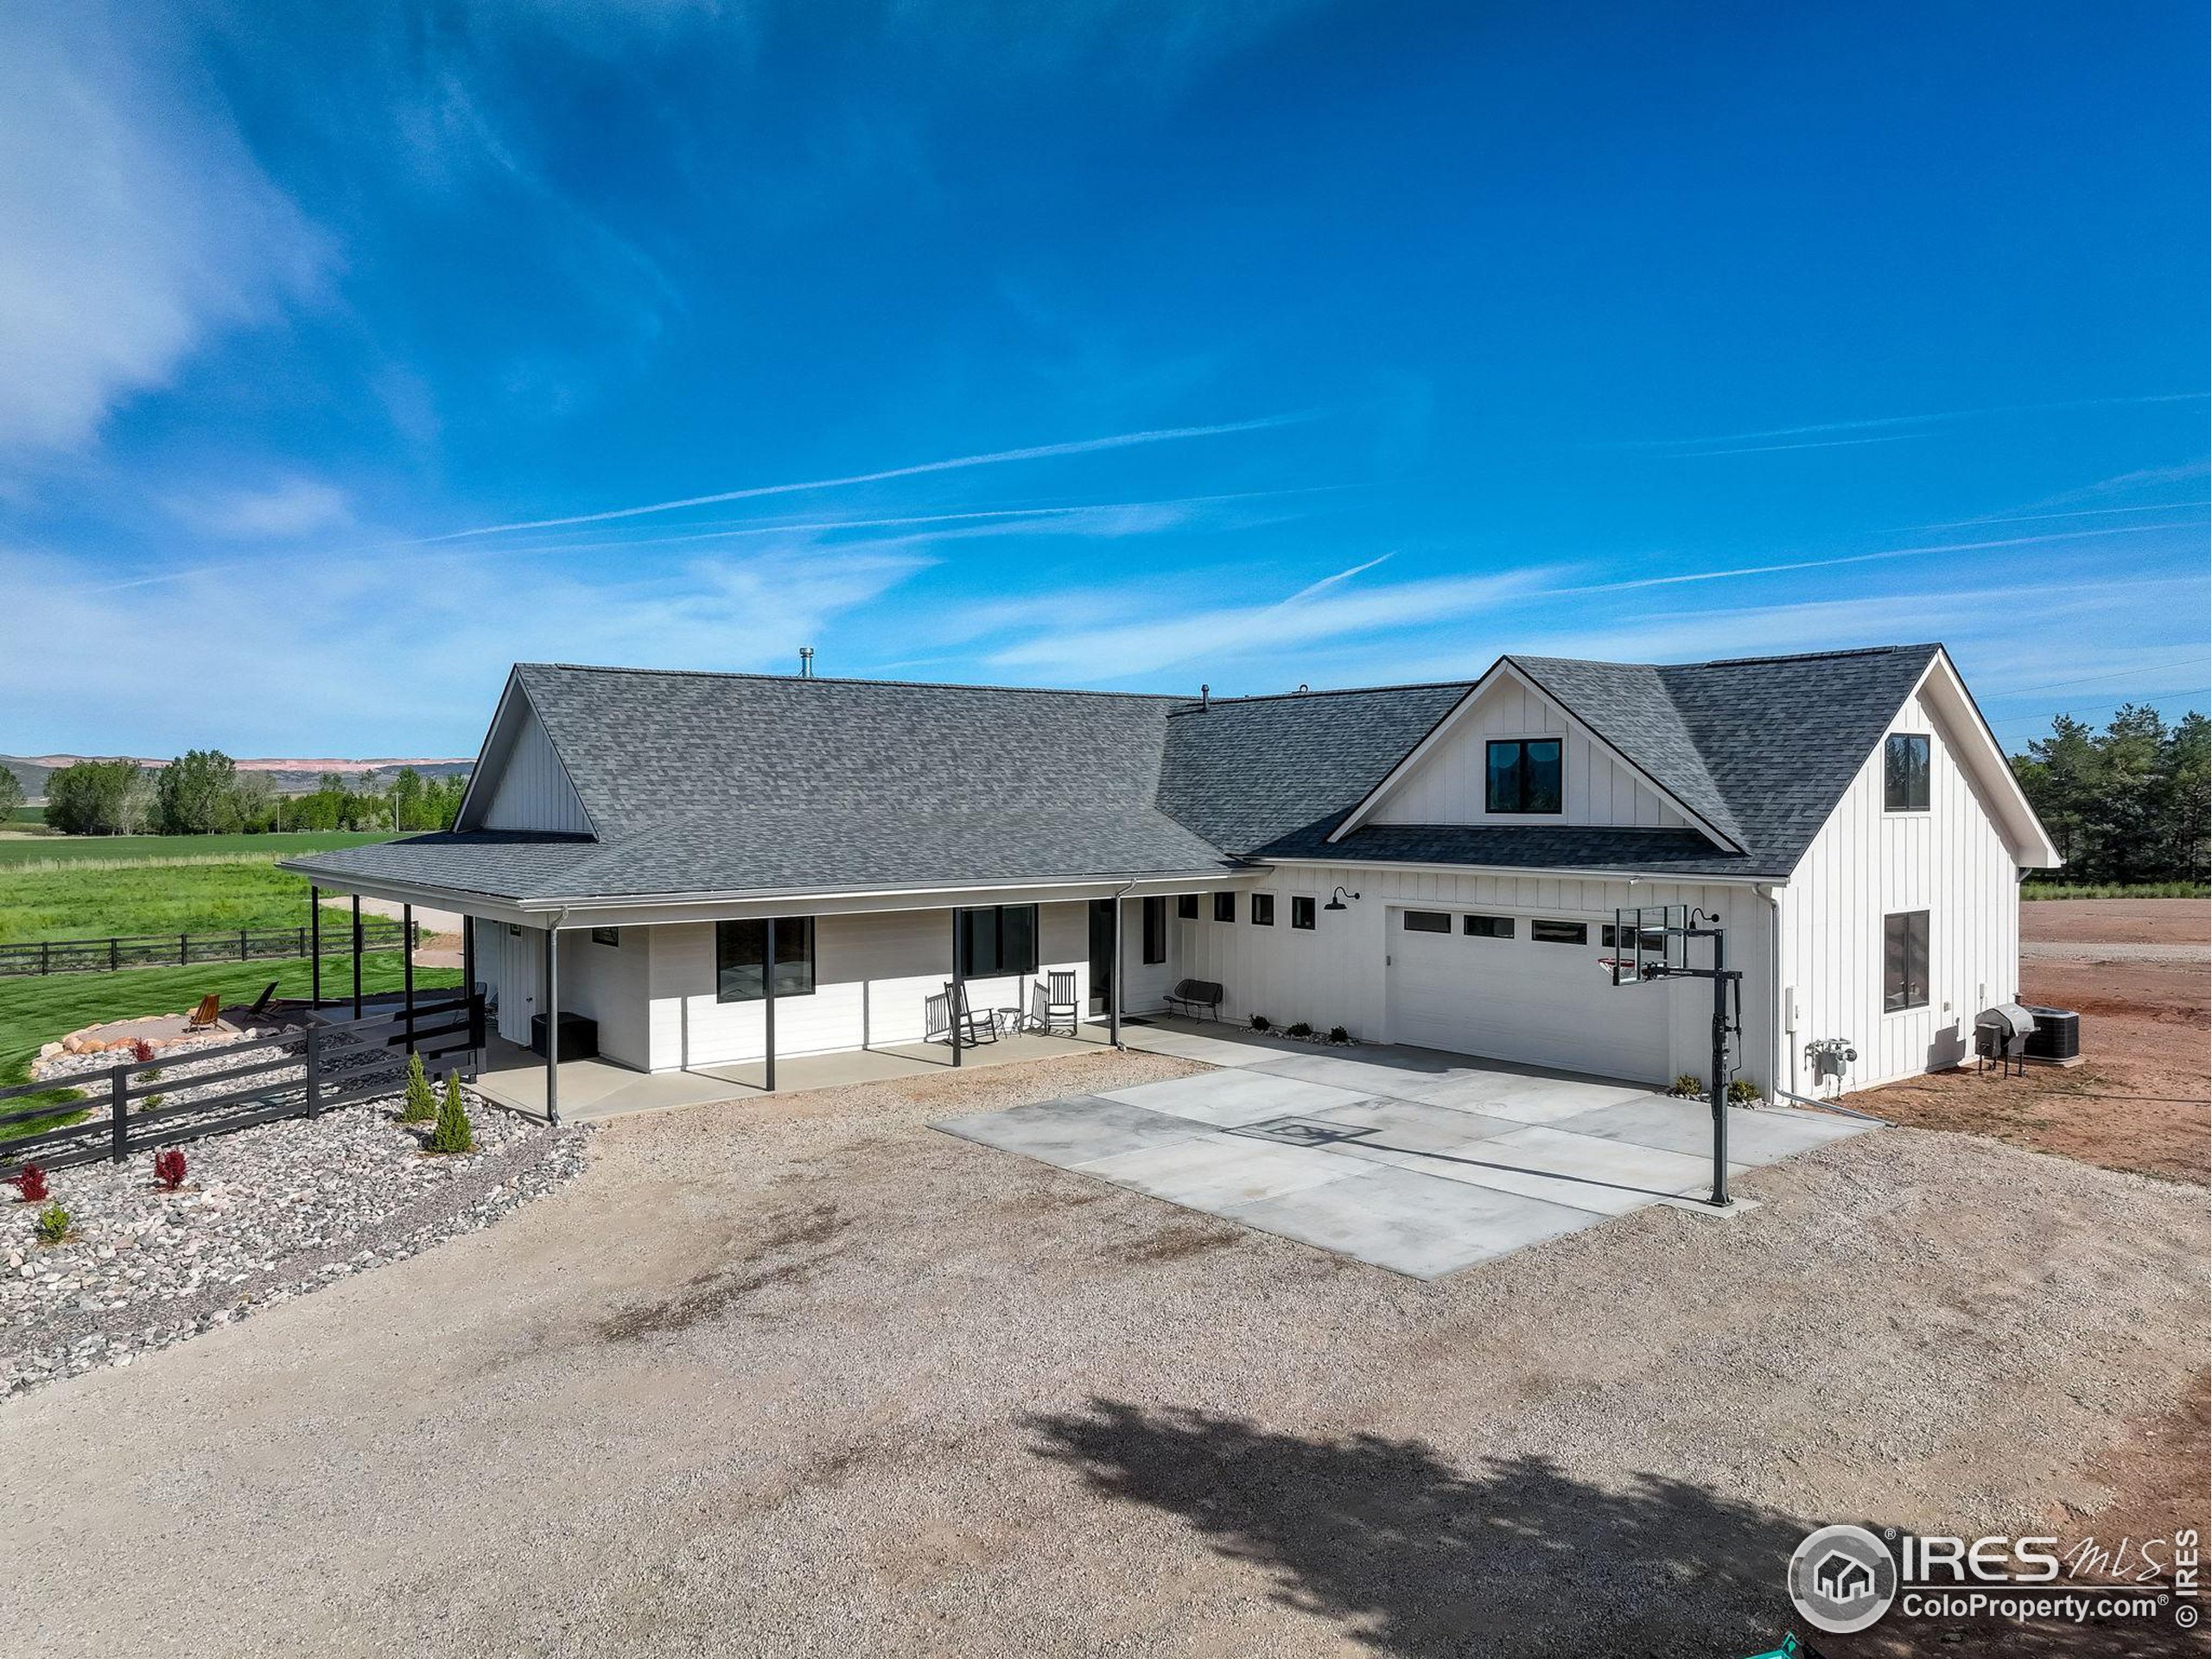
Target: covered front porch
x,y
588,1090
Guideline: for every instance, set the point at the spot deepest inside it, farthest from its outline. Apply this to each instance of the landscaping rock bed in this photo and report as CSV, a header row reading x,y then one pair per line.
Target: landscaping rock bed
x,y
265,1214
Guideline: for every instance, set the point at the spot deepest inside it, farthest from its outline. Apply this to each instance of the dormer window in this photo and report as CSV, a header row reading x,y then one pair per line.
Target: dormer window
x,y
1523,775
1904,772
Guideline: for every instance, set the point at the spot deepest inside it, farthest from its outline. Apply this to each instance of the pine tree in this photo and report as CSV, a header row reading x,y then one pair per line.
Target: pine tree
x,y
453,1133
422,1105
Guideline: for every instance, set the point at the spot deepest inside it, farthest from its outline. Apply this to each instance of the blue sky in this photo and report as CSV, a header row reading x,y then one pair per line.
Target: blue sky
x,y
1248,344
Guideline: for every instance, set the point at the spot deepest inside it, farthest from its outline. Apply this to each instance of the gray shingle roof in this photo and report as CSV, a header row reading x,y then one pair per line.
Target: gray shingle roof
x,y
730,783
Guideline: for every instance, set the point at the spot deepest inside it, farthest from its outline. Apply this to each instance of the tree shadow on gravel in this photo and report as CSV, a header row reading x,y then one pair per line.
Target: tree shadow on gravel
x,y
1412,1556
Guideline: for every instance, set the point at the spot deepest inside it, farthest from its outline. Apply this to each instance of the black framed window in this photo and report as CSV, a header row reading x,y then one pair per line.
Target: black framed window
x,y
1301,910
1155,930
1904,961
1427,921
1904,772
1187,907
1263,909
1487,927
998,940
740,952
607,936
1544,931
1224,907
1523,775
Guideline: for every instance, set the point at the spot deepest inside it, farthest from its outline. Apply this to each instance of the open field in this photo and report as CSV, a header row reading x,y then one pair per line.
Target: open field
x,y
170,849
2142,1098
812,1377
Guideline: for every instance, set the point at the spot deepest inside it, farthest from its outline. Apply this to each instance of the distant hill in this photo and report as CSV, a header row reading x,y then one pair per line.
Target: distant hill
x,y
292,775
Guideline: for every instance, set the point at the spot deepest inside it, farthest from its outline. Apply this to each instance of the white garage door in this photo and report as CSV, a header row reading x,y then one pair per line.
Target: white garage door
x,y
1522,999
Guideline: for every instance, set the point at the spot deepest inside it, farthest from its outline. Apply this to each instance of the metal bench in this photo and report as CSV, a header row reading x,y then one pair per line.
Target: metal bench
x,y
1191,994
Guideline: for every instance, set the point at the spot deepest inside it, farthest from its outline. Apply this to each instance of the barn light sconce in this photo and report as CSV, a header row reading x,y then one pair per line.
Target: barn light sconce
x,y
1336,899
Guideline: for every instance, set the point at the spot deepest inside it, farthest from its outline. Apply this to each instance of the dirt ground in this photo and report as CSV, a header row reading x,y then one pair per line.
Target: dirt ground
x,y
817,1379
2142,1098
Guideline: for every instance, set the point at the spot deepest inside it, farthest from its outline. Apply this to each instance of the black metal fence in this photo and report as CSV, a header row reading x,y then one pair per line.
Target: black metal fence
x,y
183,949
302,1073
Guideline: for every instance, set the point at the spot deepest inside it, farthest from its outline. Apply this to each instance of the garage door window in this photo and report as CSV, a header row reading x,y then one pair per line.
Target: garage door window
x,y
1427,921
1904,961
1546,932
1487,927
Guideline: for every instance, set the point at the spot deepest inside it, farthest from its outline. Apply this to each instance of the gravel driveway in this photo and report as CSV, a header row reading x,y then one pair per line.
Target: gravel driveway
x,y
810,1379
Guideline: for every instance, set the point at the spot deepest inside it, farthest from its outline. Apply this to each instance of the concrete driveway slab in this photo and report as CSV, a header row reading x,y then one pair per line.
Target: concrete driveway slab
x,y
1411,1223
1587,1159
1226,1099
1365,1073
1762,1137
1526,1100
1410,1126
1218,1172
1073,1129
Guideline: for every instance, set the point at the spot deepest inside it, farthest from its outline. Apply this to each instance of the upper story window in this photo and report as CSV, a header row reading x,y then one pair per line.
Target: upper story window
x,y
1263,909
1187,907
1904,772
998,940
1155,930
1224,907
1904,961
1523,775
1301,911
740,958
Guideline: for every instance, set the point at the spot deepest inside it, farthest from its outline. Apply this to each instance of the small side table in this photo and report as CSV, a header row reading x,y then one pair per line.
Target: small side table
x,y
1008,1020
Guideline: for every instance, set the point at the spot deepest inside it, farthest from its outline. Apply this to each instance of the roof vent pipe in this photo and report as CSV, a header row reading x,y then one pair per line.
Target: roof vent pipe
x,y
806,662
1206,696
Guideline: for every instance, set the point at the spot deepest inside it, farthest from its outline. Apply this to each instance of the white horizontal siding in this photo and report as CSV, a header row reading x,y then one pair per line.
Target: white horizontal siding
x,y
1867,863
1446,785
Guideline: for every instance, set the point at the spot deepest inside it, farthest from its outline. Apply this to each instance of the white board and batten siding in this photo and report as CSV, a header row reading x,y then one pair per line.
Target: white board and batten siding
x,y
1518,1000
532,790
1446,785
1867,863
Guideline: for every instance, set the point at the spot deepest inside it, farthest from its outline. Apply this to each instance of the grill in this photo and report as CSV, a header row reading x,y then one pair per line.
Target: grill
x,y
2002,1034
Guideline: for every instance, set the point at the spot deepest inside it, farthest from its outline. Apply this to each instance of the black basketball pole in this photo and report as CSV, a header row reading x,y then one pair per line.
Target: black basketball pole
x,y
1722,974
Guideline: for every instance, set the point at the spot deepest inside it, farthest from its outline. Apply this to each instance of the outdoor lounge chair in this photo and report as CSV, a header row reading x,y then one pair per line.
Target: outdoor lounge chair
x,y
261,1002
207,1013
1191,994
973,1028
1051,1005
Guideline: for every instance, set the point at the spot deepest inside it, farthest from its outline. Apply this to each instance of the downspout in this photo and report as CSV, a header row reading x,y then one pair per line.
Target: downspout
x,y
1782,1028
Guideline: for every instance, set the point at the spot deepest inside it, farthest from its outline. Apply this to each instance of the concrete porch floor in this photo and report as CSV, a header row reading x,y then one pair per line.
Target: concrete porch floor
x,y
515,1077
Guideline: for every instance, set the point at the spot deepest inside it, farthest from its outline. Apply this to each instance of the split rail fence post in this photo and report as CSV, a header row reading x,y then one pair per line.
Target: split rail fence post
x,y
314,1068
119,1114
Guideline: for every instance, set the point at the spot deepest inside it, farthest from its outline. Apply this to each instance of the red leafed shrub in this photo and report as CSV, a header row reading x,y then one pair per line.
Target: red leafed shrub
x,y
142,1051
169,1167
30,1184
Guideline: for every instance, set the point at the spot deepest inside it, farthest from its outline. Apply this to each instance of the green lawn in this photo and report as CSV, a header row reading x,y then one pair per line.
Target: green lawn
x,y
204,885
109,849
33,1012
2115,890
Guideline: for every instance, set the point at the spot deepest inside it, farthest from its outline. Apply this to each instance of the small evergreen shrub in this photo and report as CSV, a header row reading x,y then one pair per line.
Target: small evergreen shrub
x,y
1338,1034
1260,1022
421,1104
1301,1029
452,1133
1687,1087
169,1168
1742,1092
30,1184
53,1224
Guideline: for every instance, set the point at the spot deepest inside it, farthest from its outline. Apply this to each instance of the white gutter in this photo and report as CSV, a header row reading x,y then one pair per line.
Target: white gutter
x,y
1551,873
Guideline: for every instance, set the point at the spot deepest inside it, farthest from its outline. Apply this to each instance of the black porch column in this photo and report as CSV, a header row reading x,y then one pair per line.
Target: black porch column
x,y
1114,983
768,999
407,969
468,992
958,994
553,1026
357,956
315,946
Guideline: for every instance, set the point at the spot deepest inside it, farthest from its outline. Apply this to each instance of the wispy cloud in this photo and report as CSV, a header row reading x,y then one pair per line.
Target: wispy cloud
x,y
1881,429
957,463
137,224
296,507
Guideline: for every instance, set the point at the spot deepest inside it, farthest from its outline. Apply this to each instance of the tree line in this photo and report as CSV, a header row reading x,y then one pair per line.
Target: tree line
x,y
2125,804
202,793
